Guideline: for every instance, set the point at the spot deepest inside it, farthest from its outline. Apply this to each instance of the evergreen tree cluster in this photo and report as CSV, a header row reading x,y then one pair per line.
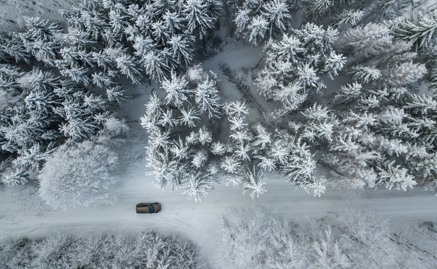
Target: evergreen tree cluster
x,y
352,239
178,151
146,249
135,39
388,120
81,175
376,126
104,41
295,64
260,20
43,112
376,130
57,79
353,12
196,140
420,30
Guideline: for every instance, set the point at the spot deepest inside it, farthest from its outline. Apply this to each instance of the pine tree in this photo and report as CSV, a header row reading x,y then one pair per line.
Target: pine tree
x,y
102,79
230,165
172,21
348,92
294,65
180,49
351,17
259,20
366,74
39,29
189,117
176,90
207,97
242,20
92,176
316,8
236,109
128,66
421,31
218,148
252,182
395,177
334,63
258,28
154,64
277,13
199,185
370,39
196,11
13,48
420,104
16,177
405,73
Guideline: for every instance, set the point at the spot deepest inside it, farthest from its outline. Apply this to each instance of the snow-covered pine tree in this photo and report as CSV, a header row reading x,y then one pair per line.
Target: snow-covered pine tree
x,y
420,30
198,185
46,113
370,39
180,49
99,39
154,64
199,19
253,183
338,12
12,48
259,20
348,92
320,124
350,17
89,183
380,128
405,74
395,177
180,142
128,66
207,97
316,8
258,28
294,65
277,13
365,74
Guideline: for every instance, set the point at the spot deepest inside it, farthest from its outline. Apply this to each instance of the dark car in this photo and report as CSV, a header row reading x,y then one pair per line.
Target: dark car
x,y
148,208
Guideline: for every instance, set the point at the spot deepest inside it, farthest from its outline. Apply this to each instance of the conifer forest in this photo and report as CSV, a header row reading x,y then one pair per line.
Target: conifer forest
x,y
275,133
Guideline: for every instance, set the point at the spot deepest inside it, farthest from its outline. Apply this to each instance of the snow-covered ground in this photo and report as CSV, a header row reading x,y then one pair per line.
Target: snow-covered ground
x,y
13,12
196,221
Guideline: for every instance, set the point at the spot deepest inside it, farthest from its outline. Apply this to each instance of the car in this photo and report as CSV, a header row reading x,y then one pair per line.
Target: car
x,y
148,208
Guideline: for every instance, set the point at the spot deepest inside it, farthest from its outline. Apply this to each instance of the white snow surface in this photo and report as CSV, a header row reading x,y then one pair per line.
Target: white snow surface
x,y
13,12
199,221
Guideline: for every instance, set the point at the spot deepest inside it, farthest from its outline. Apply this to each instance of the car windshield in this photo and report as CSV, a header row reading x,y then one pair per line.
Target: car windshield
x,y
151,208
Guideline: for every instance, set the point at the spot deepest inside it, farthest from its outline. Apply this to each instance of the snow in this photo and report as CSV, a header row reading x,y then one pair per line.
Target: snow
x,y
13,12
197,221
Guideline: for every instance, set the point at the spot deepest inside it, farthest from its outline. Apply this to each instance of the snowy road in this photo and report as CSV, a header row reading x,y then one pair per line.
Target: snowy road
x,y
196,221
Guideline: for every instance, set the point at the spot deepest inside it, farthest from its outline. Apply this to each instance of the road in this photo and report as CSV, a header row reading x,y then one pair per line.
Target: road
x,y
197,221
